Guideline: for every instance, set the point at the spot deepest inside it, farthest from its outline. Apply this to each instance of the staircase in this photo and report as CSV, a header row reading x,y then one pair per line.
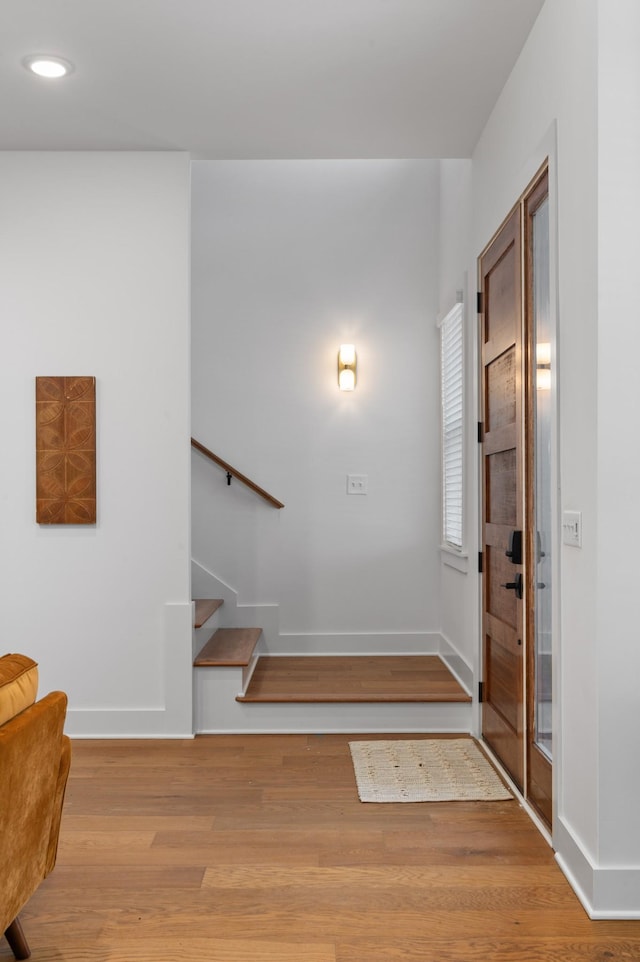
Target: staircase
x,y
260,680
240,687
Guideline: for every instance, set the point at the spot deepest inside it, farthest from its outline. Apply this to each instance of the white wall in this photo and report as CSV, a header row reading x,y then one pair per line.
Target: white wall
x,y
566,73
289,260
94,281
618,406
459,582
453,232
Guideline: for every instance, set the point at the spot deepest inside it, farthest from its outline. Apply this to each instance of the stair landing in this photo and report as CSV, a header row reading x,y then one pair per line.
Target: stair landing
x,y
330,679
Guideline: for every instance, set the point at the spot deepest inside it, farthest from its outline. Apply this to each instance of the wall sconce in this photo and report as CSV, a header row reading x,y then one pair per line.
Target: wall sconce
x,y
543,366
347,364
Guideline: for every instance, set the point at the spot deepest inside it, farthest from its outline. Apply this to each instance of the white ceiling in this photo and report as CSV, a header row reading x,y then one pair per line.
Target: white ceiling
x,y
259,78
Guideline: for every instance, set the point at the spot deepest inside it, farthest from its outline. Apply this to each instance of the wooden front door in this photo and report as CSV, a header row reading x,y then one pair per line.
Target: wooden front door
x,y
502,458
517,533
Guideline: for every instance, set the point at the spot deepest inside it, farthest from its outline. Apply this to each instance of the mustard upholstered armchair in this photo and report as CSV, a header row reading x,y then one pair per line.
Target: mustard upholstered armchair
x,y
34,765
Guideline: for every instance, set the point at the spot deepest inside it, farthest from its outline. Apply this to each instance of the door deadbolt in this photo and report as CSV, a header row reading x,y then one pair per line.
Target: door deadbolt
x,y
515,586
514,551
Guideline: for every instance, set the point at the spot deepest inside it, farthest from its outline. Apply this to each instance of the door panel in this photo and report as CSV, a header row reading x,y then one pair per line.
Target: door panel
x,y
501,473
502,667
500,402
503,713
502,290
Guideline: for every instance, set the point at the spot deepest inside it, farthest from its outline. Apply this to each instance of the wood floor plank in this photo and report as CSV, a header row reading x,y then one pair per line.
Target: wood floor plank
x,y
137,823
234,915
256,849
482,950
140,880
194,949
401,876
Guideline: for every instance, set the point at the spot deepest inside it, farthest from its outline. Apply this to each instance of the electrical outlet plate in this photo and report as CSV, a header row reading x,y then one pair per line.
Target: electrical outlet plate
x,y
357,483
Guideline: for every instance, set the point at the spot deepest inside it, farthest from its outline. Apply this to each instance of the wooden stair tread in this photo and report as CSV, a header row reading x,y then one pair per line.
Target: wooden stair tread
x,y
228,647
205,608
364,678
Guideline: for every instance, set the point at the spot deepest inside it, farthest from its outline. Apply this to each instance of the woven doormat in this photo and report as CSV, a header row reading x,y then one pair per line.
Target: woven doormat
x,y
425,770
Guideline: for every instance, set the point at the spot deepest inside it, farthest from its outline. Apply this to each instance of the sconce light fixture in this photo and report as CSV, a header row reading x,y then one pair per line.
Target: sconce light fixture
x,y
543,366
347,364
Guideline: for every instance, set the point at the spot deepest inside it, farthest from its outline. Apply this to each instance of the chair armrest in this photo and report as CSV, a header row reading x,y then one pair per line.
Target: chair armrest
x,y
63,774
31,748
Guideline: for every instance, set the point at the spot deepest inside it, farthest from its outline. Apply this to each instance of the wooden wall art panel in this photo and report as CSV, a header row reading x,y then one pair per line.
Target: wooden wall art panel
x,y
65,450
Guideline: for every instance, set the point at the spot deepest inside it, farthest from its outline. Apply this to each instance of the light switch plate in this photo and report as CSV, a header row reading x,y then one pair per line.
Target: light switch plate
x,y
572,528
357,483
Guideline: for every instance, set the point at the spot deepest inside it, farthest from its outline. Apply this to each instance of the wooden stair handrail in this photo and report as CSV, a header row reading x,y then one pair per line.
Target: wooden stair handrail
x,y
232,473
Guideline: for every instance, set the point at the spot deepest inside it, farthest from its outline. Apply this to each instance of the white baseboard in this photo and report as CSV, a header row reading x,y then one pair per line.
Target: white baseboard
x,y
456,664
356,643
606,892
120,723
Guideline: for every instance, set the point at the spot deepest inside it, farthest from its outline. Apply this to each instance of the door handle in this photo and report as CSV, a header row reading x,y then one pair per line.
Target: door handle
x,y
514,551
515,586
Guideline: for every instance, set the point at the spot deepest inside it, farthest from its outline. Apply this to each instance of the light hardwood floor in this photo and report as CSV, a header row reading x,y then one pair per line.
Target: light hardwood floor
x,y
256,849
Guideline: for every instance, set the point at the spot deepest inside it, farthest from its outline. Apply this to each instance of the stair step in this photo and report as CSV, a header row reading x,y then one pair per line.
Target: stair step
x,y
205,608
228,647
361,679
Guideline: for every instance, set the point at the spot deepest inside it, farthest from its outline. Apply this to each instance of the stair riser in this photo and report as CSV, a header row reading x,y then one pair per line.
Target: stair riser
x,y
200,635
216,711
247,673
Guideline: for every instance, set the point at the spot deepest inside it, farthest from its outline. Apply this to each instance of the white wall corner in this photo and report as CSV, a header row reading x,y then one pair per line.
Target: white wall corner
x,y
605,892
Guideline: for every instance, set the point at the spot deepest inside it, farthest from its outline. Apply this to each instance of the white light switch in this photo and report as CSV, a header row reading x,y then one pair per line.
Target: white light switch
x,y
572,528
357,483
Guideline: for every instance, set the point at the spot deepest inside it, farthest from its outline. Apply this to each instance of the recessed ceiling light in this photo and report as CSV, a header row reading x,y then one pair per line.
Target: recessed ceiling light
x,y
45,65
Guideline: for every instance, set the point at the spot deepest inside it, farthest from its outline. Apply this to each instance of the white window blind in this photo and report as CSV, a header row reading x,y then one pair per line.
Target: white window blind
x,y
451,367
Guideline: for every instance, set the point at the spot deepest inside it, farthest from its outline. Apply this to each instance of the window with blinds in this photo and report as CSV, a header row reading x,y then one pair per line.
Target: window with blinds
x,y
451,386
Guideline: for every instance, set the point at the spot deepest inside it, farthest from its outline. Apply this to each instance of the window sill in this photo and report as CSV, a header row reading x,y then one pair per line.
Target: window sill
x,y
454,559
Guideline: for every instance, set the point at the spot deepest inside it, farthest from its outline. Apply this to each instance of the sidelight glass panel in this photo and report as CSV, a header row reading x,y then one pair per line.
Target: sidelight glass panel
x,y
542,510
